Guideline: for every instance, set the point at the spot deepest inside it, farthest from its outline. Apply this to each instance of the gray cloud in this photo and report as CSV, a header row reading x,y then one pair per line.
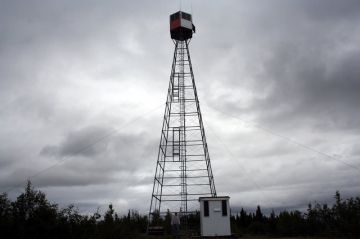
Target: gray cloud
x,y
313,92
71,73
85,142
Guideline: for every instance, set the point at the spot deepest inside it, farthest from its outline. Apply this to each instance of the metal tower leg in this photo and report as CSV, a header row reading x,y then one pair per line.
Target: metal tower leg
x,y
183,169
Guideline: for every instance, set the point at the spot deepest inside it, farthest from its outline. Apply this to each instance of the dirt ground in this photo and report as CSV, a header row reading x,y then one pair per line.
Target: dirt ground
x,y
239,237
268,237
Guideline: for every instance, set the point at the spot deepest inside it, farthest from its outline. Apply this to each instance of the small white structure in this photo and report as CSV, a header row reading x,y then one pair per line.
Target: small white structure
x,y
215,216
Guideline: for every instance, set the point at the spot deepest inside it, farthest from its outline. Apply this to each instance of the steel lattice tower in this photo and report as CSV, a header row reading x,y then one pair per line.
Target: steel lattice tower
x,y
183,170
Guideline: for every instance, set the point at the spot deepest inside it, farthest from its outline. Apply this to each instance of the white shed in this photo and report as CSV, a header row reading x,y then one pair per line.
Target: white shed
x,y
215,216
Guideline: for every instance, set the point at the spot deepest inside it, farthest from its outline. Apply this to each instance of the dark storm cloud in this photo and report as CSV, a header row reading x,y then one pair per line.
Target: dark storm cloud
x,y
303,72
334,10
6,159
305,89
103,155
84,142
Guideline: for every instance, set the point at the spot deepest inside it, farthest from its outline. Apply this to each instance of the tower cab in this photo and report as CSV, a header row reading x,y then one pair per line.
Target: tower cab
x,y
181,26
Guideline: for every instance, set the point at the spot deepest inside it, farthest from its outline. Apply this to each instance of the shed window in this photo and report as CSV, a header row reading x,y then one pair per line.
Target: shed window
x,y
224,207
206,208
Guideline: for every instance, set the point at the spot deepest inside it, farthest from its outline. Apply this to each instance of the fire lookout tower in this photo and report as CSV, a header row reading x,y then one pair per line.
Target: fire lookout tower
x,y
183,170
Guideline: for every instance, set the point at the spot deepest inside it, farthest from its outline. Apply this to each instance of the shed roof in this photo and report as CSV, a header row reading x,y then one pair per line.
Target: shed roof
x,y
217,198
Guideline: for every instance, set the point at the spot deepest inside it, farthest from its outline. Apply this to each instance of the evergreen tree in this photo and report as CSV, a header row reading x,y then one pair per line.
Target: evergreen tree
x,y
6,219
33,215
108,217
258,214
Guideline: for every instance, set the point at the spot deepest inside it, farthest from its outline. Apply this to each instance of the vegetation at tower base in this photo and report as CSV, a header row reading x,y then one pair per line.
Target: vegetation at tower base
x,y
31,215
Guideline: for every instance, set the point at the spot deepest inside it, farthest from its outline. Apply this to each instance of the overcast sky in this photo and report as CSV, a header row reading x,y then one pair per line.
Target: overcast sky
x,y
83,86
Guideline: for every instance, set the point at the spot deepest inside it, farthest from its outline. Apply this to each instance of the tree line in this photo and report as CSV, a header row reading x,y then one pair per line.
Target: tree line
x,y
31,215
341,220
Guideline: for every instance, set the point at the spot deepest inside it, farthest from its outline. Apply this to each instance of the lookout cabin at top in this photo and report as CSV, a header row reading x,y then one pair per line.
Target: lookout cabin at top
x,y
181,26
